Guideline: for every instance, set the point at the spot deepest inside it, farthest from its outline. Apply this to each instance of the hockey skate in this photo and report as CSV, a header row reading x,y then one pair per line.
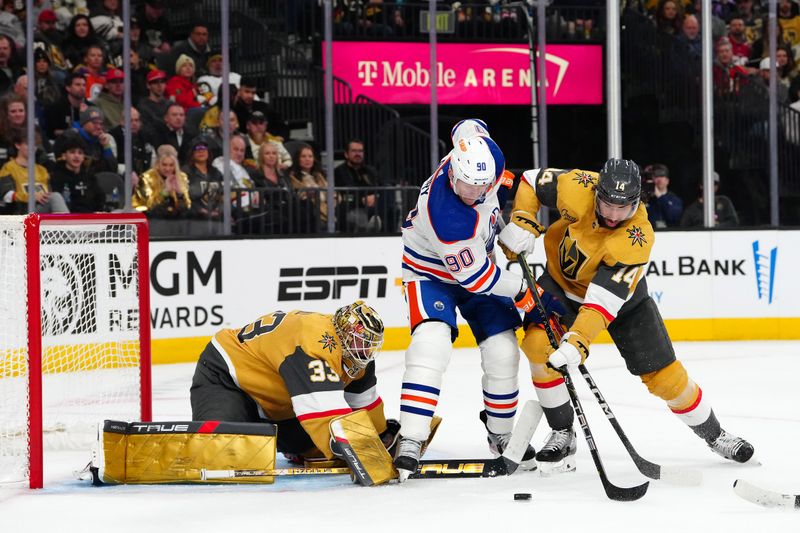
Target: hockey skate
x,y
731,447
499,441
558,453
407,459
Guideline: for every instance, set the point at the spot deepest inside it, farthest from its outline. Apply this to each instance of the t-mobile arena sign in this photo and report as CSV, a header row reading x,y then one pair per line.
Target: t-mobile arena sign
x,y
399,73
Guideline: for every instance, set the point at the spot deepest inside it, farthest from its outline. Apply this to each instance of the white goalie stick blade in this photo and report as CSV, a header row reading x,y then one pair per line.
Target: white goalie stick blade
x,y
522,434
764,497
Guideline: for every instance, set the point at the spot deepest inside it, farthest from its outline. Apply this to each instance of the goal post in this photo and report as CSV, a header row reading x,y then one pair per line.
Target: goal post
x,y
74,333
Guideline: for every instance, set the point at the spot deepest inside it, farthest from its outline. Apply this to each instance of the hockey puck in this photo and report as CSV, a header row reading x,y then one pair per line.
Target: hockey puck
x,y
522,496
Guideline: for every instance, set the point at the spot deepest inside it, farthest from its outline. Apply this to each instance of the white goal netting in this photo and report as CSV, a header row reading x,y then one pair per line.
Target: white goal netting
x,y
90,358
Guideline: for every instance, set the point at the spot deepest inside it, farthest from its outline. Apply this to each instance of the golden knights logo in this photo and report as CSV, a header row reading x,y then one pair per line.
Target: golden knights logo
x,y
328,342
636,235
584,179
570,257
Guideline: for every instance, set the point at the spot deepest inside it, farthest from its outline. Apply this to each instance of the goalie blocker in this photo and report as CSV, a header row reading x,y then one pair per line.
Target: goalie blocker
x,y
185,452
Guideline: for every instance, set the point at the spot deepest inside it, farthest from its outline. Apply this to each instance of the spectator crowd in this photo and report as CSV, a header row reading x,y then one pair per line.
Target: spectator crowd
x,y
176,126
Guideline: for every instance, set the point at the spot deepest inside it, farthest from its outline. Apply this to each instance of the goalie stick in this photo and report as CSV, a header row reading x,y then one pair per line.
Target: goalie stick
x,y
504,465
614,492
764,497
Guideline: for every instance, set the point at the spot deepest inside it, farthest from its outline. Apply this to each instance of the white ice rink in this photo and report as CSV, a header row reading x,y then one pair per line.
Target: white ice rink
x,y
753,387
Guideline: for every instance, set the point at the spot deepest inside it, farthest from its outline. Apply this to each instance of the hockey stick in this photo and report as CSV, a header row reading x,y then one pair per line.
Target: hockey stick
x,y
624,494
764,497
674,475
506,464
428,469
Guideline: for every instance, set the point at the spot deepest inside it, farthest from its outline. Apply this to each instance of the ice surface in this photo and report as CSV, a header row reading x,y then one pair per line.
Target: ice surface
x,y
752,386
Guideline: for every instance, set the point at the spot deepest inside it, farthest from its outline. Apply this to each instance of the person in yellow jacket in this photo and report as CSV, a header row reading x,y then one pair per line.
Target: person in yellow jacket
x,y
298,370
163,191
597,253
14,184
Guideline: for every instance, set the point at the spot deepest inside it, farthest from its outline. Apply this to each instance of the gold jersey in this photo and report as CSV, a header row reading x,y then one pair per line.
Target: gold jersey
x,y
596,266
290,363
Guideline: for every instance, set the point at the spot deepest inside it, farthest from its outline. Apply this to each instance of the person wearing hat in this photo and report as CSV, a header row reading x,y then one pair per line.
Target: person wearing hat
x,y
247,103
205,181
208,85
50,38
196,47
110,100
154,106
181,88
100,146
70,178
257,135
724,213
664,208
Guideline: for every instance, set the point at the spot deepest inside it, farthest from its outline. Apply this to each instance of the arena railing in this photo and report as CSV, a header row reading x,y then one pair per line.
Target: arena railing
x,y
358,210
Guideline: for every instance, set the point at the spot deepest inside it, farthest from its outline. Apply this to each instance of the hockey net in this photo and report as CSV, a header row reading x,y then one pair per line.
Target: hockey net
x,y
74,333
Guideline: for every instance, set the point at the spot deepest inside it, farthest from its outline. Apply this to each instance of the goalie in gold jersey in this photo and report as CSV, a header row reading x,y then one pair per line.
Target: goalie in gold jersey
x,y
596,257
298,370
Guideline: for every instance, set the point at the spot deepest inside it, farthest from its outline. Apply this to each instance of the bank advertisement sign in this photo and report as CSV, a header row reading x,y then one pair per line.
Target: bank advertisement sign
x,y
199,287
399,73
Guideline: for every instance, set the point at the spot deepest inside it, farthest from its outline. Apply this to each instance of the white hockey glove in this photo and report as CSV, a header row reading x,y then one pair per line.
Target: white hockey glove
x,y
573,351
520,234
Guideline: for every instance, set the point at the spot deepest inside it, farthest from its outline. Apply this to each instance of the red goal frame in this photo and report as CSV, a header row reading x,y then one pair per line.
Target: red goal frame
x,y
32,227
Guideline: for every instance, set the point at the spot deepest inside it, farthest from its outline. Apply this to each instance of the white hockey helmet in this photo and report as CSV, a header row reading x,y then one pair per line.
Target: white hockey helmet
x,y
472,170
468,128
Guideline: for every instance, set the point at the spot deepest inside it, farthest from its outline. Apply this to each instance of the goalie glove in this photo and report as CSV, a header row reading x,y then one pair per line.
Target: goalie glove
x,y
573,351
520,234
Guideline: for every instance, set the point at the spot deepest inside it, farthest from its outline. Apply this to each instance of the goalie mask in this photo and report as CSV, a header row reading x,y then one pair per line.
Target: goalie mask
x,y
472,170
618,192
360,329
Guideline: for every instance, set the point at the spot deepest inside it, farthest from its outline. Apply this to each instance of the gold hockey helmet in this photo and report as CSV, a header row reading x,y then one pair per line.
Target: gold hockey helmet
x,y
360,329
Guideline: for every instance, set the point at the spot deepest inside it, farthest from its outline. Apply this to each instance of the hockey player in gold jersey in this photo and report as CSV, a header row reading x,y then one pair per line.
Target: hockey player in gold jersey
x,y
597,252
298,370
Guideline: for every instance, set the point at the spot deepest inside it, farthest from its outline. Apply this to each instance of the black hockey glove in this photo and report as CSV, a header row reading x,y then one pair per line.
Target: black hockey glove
x,y
390,436
552,306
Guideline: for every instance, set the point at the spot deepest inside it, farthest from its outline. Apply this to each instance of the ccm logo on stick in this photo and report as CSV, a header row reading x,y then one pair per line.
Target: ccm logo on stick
x,y
321,283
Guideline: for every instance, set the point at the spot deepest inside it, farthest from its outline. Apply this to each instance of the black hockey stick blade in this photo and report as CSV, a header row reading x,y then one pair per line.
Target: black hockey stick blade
x,y
764,497
460,468
624,494
674,475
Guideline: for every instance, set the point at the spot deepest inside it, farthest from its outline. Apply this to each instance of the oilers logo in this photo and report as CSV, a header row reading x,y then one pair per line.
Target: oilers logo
x,y
765,263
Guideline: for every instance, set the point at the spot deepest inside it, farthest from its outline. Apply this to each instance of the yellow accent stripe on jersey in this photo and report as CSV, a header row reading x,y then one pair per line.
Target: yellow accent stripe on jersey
x,y
187,349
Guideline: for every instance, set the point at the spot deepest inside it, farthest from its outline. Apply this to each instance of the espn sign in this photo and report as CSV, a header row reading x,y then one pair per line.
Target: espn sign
x,y
322,283
399,73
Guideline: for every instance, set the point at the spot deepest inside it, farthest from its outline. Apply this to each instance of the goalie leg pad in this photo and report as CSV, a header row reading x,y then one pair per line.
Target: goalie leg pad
x,y
500,363
427,358
178,452
357,442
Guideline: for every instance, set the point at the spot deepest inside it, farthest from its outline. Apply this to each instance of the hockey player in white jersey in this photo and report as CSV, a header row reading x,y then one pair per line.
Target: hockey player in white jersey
x,y
448,264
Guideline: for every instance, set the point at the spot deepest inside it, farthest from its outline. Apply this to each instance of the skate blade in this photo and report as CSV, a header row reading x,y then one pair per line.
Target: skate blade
x,y
548,469
402,474
528,466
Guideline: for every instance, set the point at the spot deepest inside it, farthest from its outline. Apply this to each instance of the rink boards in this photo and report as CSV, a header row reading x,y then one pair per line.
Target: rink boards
x,y
709,285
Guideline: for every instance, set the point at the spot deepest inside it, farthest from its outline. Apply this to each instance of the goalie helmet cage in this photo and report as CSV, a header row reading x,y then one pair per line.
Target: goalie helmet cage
x,y
74,332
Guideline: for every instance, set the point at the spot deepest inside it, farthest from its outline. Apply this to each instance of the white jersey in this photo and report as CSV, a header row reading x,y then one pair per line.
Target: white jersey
x,y
448,241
